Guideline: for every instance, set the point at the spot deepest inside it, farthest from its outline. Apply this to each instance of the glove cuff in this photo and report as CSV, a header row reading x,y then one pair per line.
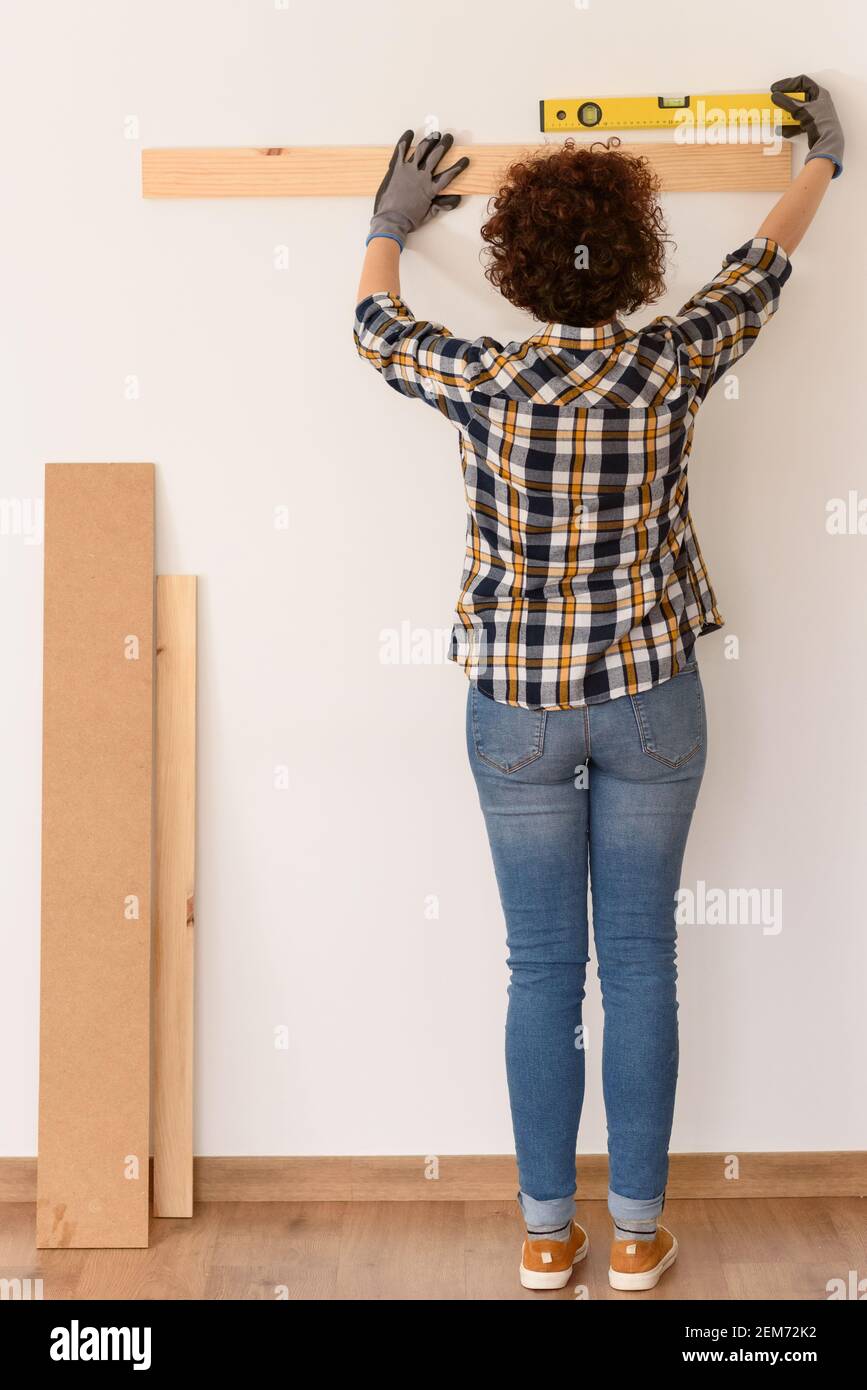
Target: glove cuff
x,y
818,153
390,224
390,236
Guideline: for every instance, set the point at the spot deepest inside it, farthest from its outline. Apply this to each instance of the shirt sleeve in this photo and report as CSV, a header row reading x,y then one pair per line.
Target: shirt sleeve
x,y
720,323
419,359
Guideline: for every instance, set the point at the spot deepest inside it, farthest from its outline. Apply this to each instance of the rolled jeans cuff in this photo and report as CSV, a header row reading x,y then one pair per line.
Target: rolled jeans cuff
x,y
626,1209
544,1218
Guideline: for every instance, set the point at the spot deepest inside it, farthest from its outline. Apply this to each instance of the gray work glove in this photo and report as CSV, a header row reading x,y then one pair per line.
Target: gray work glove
x,y
411,191
816,115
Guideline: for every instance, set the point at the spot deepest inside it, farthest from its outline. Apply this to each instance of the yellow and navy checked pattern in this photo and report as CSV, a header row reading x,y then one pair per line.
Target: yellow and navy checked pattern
x,y
583,577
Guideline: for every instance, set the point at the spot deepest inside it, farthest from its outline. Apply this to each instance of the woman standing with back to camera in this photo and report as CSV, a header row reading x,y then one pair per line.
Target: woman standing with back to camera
x,y
584,592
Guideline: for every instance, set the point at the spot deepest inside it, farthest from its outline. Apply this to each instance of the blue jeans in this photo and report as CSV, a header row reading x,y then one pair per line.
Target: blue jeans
x,y
605,794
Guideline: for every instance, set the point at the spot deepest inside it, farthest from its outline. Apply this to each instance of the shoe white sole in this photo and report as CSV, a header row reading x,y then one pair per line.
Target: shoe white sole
x,y
649,1279
558,1279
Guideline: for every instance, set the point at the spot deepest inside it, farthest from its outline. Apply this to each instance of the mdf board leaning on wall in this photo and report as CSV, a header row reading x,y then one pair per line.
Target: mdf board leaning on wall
x,y
92,1185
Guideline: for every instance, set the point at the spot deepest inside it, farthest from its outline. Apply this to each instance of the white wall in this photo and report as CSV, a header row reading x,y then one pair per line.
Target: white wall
x,y
311,901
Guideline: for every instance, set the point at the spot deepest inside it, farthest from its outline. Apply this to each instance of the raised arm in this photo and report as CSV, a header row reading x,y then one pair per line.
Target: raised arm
x,y
720,323
414,356
790,217
380,273
411,193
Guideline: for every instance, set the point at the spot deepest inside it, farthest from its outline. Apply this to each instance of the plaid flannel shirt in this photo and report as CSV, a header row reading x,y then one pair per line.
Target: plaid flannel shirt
x,y
583,577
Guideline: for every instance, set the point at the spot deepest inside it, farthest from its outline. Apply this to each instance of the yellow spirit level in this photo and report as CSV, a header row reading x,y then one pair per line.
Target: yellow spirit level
x,y
664,112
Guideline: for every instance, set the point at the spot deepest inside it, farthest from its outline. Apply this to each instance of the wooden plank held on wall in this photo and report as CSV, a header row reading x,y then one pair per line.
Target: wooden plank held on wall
x,y
356,171
174,894
94,1074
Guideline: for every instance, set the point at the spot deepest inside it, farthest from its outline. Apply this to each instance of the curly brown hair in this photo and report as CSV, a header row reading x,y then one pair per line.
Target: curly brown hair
x,y
580,195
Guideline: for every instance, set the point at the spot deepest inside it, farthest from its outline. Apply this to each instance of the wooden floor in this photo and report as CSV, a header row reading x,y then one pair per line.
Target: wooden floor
x,y
785,1248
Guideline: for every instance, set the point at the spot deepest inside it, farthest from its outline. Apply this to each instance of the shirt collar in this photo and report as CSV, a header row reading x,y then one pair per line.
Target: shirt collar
x,y
566,335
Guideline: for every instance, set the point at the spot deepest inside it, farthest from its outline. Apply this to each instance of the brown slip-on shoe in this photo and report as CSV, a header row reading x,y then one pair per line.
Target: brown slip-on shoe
x,y
547,1264
640,1264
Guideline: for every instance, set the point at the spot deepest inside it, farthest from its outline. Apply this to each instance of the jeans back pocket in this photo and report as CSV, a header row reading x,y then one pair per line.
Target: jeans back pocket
x,y
670,718
506,737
